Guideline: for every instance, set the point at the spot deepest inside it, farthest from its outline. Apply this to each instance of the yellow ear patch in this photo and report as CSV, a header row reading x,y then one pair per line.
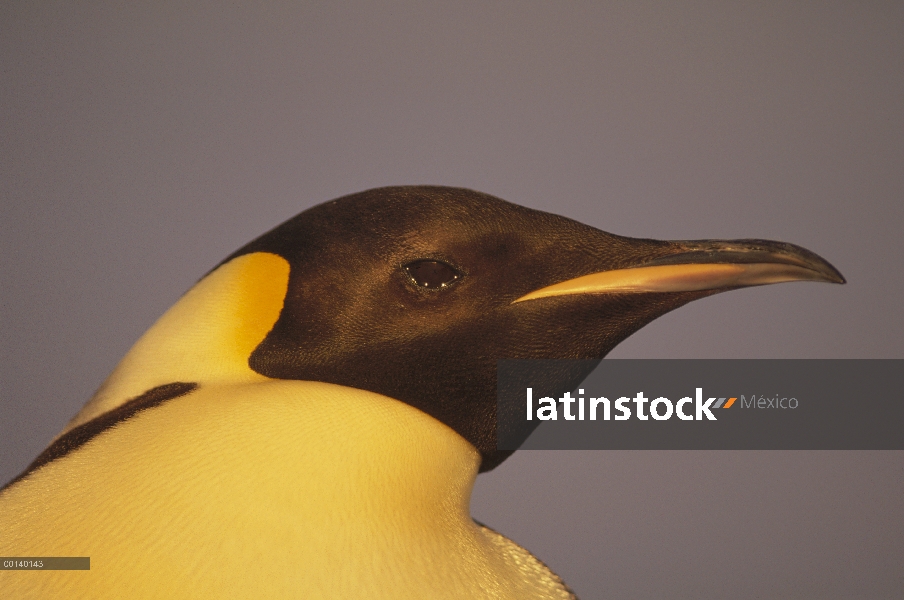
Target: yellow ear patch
x,y
262,280
207,336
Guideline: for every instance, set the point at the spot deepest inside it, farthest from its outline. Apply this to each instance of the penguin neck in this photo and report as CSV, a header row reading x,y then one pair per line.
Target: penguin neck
x,y
324,453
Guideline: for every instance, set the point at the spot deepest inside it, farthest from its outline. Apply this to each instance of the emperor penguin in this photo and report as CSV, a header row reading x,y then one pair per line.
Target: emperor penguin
x,y
308,420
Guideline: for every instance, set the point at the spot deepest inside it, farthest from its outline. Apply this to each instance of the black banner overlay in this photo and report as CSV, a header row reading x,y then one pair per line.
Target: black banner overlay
x,y
799,404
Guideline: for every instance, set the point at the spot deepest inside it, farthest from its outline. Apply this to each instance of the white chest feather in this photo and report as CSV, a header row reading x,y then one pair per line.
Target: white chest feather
x,y
269,490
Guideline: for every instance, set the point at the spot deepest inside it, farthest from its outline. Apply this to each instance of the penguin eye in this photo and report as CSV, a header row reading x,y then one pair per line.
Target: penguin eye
x,y
431,274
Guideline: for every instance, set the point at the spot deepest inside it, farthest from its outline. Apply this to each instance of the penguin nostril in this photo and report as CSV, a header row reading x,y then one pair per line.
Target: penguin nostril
x,y
431,274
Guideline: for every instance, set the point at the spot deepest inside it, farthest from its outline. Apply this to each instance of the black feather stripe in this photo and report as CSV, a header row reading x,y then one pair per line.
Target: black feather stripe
x,y
80,435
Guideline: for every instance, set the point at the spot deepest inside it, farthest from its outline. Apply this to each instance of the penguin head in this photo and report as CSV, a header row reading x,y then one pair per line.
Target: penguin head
x,y
416,292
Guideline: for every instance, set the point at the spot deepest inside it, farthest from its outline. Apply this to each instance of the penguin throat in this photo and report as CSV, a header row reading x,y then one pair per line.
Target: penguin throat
x,y
315,451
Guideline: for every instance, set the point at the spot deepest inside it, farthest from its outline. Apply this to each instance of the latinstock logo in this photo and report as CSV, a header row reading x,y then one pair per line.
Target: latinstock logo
x,y
660,408
690,404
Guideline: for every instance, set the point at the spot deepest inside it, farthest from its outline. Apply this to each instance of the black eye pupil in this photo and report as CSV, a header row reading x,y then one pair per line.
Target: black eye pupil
x,y
431,274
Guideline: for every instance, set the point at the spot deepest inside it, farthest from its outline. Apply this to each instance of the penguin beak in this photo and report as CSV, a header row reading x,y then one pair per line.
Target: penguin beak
x,y
703,265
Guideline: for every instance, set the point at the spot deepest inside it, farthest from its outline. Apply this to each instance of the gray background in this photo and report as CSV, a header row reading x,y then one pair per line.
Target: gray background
x,y
141,145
